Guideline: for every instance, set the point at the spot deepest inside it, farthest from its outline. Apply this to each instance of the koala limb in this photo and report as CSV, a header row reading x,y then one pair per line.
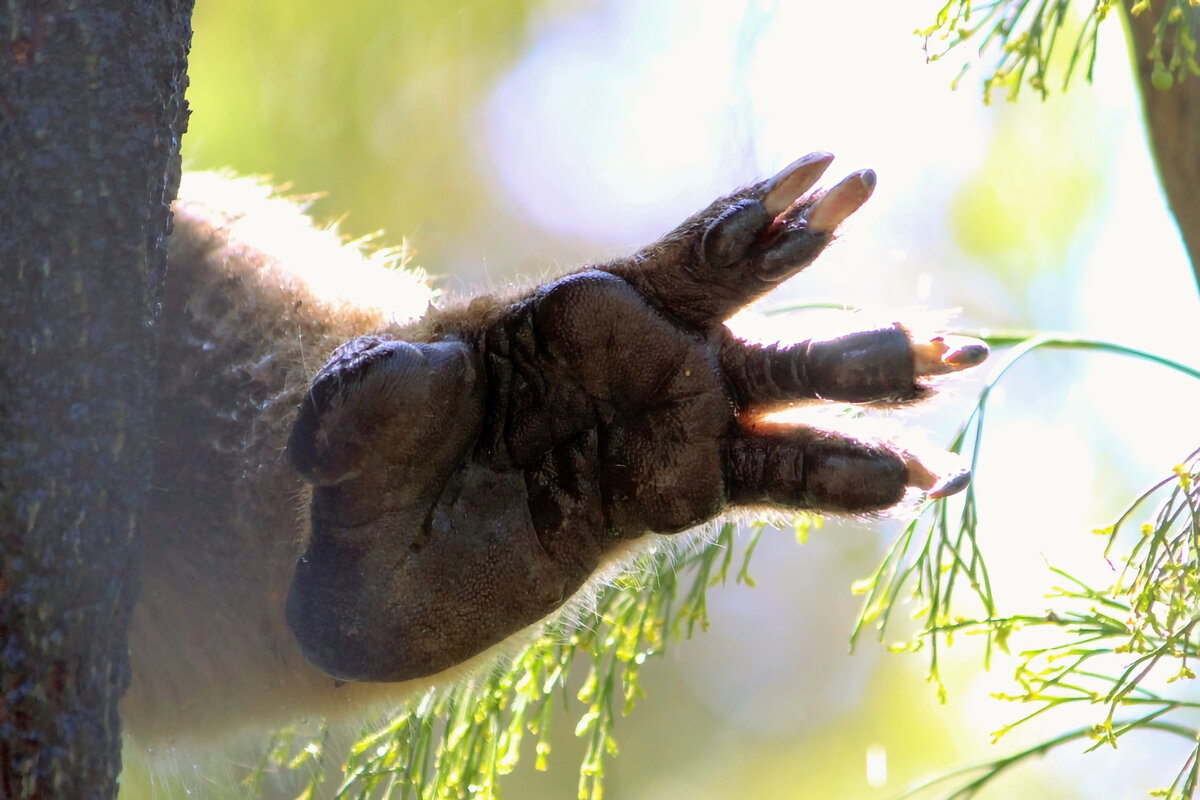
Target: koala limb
x,y
606,405
352,484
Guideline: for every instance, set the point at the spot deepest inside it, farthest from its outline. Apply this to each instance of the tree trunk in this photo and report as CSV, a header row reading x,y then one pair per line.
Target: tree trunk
x,y
91,115
1172,123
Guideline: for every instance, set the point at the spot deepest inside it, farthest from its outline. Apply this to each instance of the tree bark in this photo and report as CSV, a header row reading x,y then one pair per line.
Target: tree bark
x,y
91,115
1172,123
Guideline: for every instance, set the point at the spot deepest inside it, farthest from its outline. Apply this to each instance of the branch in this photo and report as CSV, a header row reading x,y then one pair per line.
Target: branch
x,y
91,113
1172,109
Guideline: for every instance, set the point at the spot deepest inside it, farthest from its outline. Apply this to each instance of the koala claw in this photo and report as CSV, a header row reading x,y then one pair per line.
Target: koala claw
x,y
950,484
944,354
794,180
841,201
951,481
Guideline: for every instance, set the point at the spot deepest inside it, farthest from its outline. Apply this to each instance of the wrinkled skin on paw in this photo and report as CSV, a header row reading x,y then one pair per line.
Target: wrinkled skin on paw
x,y
466,485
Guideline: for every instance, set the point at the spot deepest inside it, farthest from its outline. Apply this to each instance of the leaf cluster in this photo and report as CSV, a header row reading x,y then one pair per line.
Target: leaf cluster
x,y
1107,645
1024,40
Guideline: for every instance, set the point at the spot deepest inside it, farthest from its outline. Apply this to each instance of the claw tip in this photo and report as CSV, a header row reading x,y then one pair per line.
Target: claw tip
x,y
869,179
951,484
971,355
841,201
794,180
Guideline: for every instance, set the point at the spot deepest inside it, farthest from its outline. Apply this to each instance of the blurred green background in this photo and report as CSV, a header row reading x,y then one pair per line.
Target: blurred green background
x,y
504,138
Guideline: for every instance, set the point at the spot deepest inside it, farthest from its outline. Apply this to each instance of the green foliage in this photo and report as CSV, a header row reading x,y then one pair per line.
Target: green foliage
x,y
1106,643
1026,38
1109,645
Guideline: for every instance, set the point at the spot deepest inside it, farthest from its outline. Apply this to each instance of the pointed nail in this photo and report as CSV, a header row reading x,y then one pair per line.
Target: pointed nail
x,y
965,352
841,201
951,484
794,180
948,354
952,475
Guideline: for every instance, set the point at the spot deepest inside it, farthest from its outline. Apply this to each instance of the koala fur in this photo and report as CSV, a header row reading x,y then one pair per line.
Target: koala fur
x,y
473,467
256,299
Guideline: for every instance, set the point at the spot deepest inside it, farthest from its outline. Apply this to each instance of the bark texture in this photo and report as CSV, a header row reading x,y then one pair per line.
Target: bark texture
x,y
1172,123
91,115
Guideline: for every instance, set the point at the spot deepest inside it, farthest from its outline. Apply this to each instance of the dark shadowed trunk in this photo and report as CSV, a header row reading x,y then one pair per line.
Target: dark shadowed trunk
x,y
1172,123
91,114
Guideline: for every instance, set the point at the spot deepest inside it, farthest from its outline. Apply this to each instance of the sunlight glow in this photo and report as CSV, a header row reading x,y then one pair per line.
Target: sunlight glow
x,y
876,766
